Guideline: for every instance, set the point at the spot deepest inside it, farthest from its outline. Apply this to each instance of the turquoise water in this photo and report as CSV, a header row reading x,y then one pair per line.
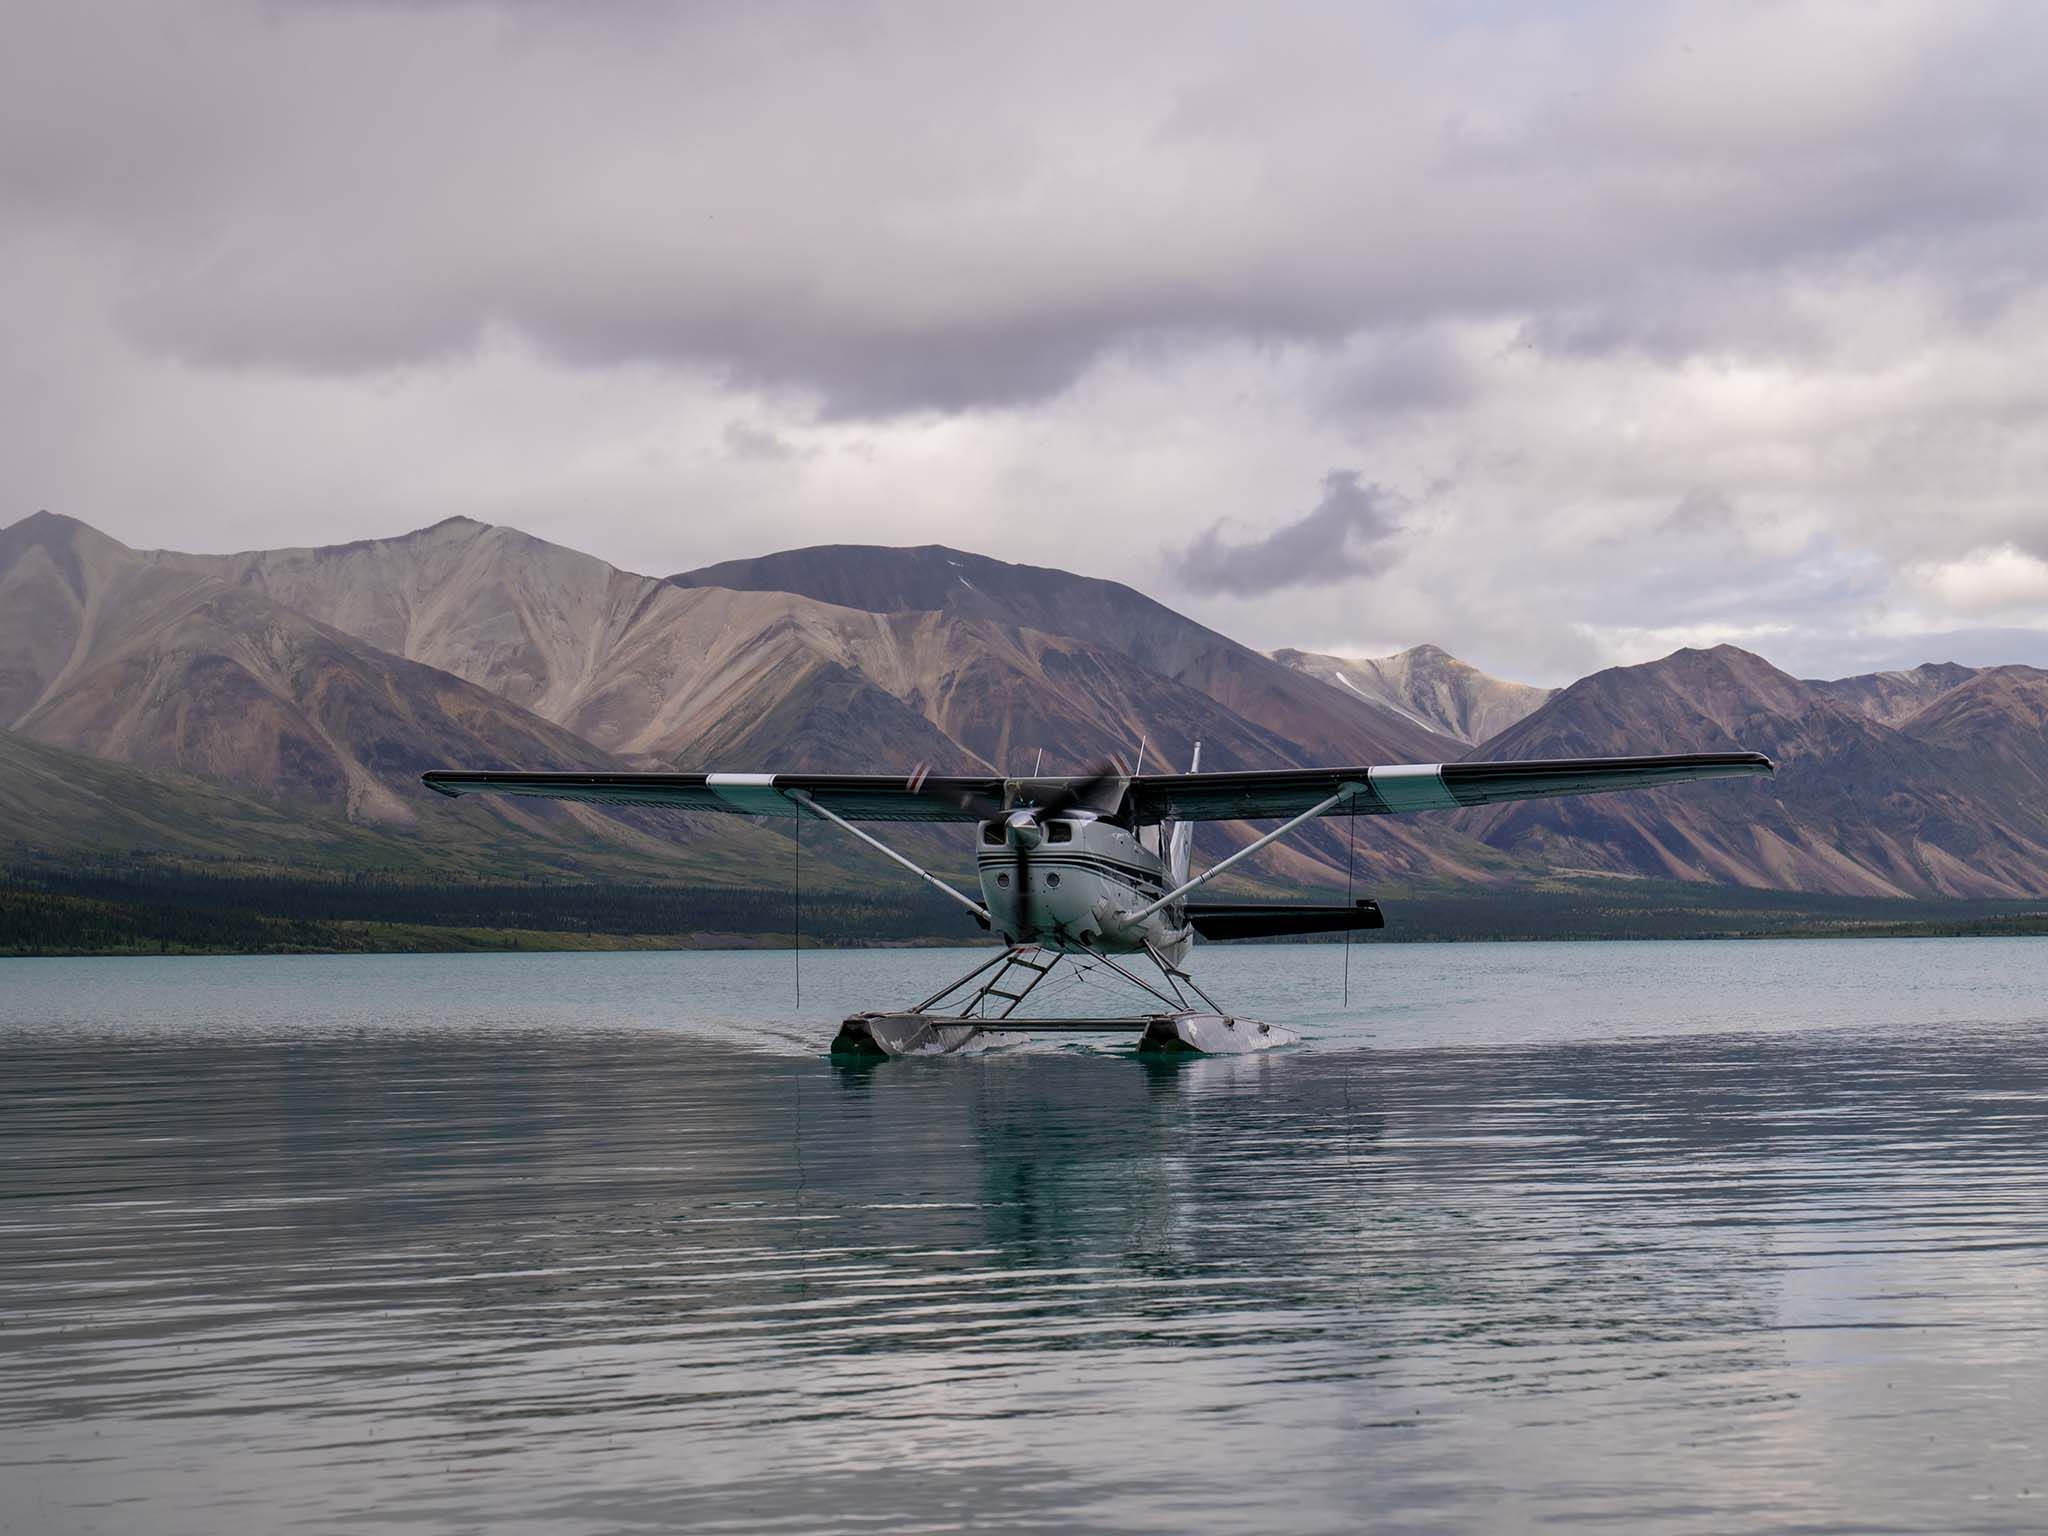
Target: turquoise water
x,y
1668,1237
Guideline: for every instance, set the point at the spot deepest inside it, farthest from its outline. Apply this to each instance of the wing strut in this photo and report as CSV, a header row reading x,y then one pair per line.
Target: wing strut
x,y
1344,792
803,798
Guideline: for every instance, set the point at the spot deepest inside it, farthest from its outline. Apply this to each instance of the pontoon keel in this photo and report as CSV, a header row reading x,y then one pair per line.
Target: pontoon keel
x,y
873,1035
1212,1034
913,1034
979,1010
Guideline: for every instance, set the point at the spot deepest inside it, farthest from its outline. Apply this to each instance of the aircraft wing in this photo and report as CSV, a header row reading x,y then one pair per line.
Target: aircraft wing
x,y
1390,790
1256,795
856,796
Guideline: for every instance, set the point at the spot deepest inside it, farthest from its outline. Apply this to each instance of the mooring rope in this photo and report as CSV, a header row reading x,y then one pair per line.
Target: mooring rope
x,y
1350,865
797,914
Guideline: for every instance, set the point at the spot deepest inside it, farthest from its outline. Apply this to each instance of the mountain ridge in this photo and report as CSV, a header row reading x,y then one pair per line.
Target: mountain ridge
x,y
694,675
328,676
154,661
1431,686
1857,807
1109,615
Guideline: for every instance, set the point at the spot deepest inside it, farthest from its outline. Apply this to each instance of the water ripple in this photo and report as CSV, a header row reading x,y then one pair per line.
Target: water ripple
x,y
455,1275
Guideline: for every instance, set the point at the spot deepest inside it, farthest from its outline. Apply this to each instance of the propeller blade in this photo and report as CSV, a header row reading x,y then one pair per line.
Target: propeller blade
x,y
1070,794
1021,871
1077,791
986,808
980,807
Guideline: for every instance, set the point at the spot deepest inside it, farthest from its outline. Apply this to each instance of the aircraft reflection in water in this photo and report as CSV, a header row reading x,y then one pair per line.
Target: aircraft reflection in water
x,y
1281,1199
1092,869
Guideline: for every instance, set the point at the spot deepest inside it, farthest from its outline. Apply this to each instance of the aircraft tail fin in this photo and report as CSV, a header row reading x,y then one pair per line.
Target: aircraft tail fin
x,y
1180,837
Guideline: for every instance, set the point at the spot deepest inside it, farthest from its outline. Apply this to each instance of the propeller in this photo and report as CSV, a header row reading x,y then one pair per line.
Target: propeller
x,y
1024,829
1024,825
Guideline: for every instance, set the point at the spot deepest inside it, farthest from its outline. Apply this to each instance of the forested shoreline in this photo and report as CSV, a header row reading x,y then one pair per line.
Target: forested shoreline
x,y
143,906
126,907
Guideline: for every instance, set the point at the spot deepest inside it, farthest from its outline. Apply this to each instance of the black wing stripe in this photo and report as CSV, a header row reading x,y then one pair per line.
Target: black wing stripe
x,y
1487,783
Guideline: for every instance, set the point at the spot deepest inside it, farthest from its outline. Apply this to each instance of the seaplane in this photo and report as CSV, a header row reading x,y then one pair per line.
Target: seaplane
x,y
1094,868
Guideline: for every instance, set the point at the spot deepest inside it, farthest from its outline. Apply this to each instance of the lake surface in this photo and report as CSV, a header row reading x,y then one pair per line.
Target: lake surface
x,y
1665,1237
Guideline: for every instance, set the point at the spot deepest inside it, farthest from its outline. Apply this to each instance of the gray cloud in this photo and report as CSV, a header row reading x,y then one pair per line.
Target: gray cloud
x,y
1407,372
1701,510
898,211
758,445
1344,537
1051,278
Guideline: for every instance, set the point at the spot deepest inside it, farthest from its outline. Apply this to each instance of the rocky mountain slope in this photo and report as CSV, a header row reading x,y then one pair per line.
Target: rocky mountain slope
x,y
1430,686
1035,666
1321,720
311,686
706,676
60,802
1892,698
1994,727
629,663
1938,805
162,663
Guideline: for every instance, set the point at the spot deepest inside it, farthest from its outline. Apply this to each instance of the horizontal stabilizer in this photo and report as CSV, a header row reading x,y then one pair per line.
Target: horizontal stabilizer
x,y
1273,920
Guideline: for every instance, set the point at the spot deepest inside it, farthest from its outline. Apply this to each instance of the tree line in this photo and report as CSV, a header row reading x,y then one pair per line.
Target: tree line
x,y
118,905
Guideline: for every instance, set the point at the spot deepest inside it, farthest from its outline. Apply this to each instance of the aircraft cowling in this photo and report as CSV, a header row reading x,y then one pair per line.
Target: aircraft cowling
x,y
1082,876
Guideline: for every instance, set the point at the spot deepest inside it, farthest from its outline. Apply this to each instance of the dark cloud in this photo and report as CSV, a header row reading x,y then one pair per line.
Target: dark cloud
x,y
943,210
310,269
1412,372
1343,538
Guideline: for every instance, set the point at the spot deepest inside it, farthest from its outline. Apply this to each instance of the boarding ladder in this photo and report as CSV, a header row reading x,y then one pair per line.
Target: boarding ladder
x,y
1027,958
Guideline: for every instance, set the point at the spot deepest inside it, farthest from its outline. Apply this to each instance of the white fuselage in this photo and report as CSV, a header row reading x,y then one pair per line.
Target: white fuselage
x,y
1076,881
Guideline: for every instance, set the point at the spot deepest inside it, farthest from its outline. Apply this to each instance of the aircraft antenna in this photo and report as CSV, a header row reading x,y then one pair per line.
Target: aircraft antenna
x,y
1040,764
1141,752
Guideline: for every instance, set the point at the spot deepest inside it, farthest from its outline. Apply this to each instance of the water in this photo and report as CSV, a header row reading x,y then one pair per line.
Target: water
x,y
1669,1237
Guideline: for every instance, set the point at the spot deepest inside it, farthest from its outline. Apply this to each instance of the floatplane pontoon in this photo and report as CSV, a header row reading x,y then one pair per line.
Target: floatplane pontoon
x,y
1089,868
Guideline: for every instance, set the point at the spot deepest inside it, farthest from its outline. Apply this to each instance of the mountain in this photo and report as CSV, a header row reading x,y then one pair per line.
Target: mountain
x,y
1429,686
1857,807
154,663
283,702
630,664
1322,721
1996,721
1892,698
528,620
885,657
1127,666
68,803
705,676
161,663
1031,666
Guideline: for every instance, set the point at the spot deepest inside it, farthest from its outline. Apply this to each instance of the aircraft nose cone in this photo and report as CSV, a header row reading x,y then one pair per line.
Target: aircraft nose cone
x,y
1023,830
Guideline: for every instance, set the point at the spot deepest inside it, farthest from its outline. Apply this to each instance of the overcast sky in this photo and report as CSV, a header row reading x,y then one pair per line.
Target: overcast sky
x,y
1557,335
